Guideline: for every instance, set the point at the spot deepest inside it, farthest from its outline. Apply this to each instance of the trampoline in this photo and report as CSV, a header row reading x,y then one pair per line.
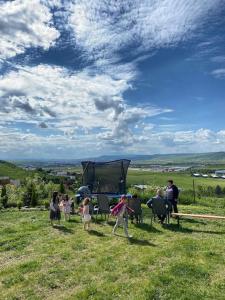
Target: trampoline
x,y
106,177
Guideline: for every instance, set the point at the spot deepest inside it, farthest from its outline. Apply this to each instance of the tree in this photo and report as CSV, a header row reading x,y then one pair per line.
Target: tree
x,y
62,189
218,190
4,197
34,196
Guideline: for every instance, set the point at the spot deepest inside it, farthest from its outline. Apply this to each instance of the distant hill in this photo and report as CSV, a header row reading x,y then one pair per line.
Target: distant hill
x,y
185,158
11,170
180,158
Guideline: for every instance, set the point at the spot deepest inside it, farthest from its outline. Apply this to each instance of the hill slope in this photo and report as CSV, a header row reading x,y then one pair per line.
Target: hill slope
x,y
12,171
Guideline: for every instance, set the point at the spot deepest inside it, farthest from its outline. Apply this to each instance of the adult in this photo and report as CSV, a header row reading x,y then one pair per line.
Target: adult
x,y
55,213
172,194
161,204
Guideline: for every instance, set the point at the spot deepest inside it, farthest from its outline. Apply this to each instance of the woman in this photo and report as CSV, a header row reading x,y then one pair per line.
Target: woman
x,y
55,213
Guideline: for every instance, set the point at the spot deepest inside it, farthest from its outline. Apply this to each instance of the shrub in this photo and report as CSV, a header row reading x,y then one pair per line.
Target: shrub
x,y
19,204
218,190
12,204
46,204
62,189
4,197
186,197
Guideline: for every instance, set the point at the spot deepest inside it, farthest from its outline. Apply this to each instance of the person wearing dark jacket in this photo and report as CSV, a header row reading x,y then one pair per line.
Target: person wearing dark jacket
x,y
164,202
172,194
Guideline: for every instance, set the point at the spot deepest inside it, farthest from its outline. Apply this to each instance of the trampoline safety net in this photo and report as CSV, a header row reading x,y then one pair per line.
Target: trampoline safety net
x,y
106,177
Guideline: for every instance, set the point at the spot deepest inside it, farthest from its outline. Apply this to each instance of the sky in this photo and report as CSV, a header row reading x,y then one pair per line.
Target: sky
x,y
84,78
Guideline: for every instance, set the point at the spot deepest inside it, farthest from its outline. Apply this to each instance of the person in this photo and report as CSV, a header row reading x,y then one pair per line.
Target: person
x,y
86,214
121,212
84,191
135,204
172,194
160,197
66,207
55,213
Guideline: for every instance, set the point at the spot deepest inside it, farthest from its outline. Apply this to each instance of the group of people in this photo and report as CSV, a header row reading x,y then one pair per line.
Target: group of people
x,y
121,211
60,204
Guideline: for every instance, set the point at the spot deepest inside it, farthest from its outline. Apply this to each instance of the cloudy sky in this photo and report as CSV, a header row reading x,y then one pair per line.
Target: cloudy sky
x,y
83,78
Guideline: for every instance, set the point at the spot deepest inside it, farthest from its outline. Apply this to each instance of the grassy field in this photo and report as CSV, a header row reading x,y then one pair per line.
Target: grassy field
x,y
12,171
182,180
41,262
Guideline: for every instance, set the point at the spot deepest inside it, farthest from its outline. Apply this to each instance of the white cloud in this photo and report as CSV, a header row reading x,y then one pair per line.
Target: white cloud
x,y
219,73
106,27
24,24
29,145
53,97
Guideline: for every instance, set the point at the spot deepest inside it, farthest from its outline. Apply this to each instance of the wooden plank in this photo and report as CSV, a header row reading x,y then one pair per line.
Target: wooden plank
x,y
198,216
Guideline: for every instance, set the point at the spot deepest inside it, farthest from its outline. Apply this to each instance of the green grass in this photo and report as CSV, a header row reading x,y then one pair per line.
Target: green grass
x,y
41,262
13,171
183,180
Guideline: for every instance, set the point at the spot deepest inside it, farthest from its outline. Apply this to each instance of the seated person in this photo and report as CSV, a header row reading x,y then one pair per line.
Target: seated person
x,y
135,204
160,197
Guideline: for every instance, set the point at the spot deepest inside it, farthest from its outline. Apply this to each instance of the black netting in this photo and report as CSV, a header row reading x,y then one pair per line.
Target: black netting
x,y
106,177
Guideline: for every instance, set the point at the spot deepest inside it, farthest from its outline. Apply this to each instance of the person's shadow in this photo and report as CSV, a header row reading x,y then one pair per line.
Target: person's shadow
x,y
141,242
96,233
63,229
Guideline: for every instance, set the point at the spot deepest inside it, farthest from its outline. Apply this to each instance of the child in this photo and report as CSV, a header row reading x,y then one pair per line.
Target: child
x,y
86,214
66,207
121,213
54,208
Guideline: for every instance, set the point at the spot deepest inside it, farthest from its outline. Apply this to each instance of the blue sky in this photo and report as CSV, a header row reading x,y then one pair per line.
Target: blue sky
x,y
84,78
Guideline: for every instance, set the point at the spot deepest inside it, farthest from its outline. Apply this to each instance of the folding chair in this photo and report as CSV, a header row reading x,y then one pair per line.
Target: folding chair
x,y
103,206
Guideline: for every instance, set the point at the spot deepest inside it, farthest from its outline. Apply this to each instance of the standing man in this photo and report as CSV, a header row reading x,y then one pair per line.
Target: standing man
x,y
172,193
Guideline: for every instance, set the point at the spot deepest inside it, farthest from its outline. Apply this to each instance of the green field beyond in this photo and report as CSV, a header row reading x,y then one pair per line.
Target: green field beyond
x,y
41,262
183,180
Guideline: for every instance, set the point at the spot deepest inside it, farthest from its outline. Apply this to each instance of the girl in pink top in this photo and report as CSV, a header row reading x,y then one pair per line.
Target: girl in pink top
x,y
120,211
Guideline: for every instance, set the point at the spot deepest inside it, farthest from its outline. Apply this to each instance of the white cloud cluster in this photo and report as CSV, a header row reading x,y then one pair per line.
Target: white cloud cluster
x,y
24,24
53,97
89,103
106,27
28,145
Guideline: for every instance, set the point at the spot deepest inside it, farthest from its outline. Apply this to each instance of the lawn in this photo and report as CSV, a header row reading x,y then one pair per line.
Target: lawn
x,y
41,262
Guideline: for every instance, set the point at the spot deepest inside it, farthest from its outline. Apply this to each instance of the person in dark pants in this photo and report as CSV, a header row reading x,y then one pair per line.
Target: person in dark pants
x,y
172,194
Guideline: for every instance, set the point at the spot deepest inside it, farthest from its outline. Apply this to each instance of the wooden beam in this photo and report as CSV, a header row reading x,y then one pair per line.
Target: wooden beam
x,y
212,217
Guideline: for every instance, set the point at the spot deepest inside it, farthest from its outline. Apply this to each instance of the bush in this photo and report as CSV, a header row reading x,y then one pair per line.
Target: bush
x,y
11,204
4,197
19,204
46,204
186,197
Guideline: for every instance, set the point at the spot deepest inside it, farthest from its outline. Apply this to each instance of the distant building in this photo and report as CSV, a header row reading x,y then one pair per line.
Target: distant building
x,y
4,180
220,173
15,182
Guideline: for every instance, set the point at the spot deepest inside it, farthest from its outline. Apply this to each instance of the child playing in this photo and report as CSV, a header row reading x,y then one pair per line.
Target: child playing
x,y
86,214
66,207
54,208
121,213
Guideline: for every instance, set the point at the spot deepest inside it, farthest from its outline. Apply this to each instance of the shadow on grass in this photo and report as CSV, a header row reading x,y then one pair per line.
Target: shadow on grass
x,y
176,228
111,223
63,228
74,221
96,233
147,227
194,221
141,242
